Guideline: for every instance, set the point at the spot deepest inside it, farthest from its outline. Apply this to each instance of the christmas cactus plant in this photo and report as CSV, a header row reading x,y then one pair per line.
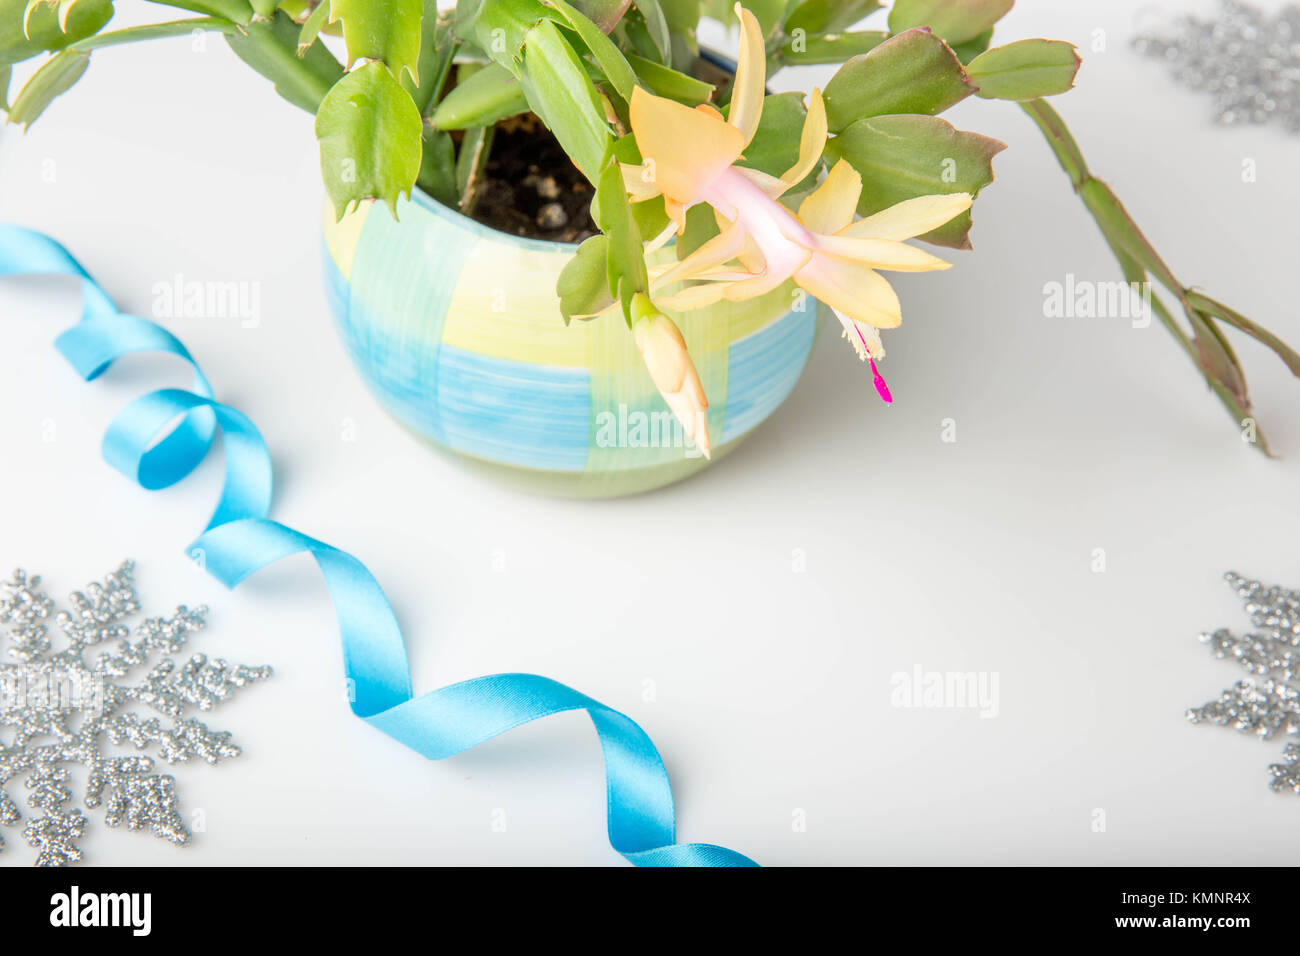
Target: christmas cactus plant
x,y
703,186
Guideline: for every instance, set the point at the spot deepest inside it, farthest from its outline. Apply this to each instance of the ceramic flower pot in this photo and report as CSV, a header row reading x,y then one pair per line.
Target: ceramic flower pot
x,y
457,331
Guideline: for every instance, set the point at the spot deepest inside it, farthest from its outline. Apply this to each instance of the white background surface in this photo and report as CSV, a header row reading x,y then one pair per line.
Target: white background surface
x,y
772,689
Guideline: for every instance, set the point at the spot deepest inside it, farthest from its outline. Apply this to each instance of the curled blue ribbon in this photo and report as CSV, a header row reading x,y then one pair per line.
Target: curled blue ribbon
x,y
161,437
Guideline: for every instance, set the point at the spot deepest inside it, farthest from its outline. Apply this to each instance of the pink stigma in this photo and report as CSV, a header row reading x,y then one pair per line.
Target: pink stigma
x,y
881,388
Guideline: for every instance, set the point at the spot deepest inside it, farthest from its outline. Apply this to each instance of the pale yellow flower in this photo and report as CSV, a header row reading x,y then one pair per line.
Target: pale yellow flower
x,y
689,156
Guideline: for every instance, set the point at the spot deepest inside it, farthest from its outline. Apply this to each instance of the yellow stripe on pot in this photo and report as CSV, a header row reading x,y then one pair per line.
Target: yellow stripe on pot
x,y
342,236
505,307
763,311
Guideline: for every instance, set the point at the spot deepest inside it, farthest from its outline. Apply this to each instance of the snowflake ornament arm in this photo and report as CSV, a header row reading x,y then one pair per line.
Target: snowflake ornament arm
x,y
1268,707
61,710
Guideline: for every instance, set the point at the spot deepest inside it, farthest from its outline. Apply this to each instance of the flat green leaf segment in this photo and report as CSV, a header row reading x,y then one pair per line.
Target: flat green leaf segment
x,y
311,27
665,81
1025,70
499,27
583,286
611,61
902,157
626,269
914,72
27,28
606,13
562,94
55,76
387,30
956,21
524,37
271,47
828,16
775,146
488,94
830,47
438,45
369,132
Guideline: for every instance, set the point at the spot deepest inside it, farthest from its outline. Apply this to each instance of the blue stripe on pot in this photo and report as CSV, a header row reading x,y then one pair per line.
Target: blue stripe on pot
x,y
764,368
533,416
400,292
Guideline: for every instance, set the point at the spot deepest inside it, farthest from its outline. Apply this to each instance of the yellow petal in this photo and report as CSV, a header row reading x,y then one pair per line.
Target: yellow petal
x,y
763,282
693,297
881,254
771,185
726,245
852,288
812,141
639,187
723,272
911,217
751,257
610,309
683,149
830,207
747,90
661,240
676,212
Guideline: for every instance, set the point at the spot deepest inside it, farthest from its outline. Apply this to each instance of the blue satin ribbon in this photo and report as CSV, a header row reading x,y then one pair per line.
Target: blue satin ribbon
x,y
161,437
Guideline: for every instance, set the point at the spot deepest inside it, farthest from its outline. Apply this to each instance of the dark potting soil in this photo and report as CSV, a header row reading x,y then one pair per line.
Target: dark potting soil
x,y
531,187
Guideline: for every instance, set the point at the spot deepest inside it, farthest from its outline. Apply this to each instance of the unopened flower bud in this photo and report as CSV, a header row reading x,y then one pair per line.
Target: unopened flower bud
x,y
670,366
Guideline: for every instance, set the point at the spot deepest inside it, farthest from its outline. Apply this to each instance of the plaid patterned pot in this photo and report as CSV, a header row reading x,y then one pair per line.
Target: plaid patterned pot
x,y
457,331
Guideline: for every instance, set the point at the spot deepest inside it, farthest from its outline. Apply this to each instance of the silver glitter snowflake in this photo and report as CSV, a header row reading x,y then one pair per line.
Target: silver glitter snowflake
x,y
1286,776
1266,704
1247,60
65,709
